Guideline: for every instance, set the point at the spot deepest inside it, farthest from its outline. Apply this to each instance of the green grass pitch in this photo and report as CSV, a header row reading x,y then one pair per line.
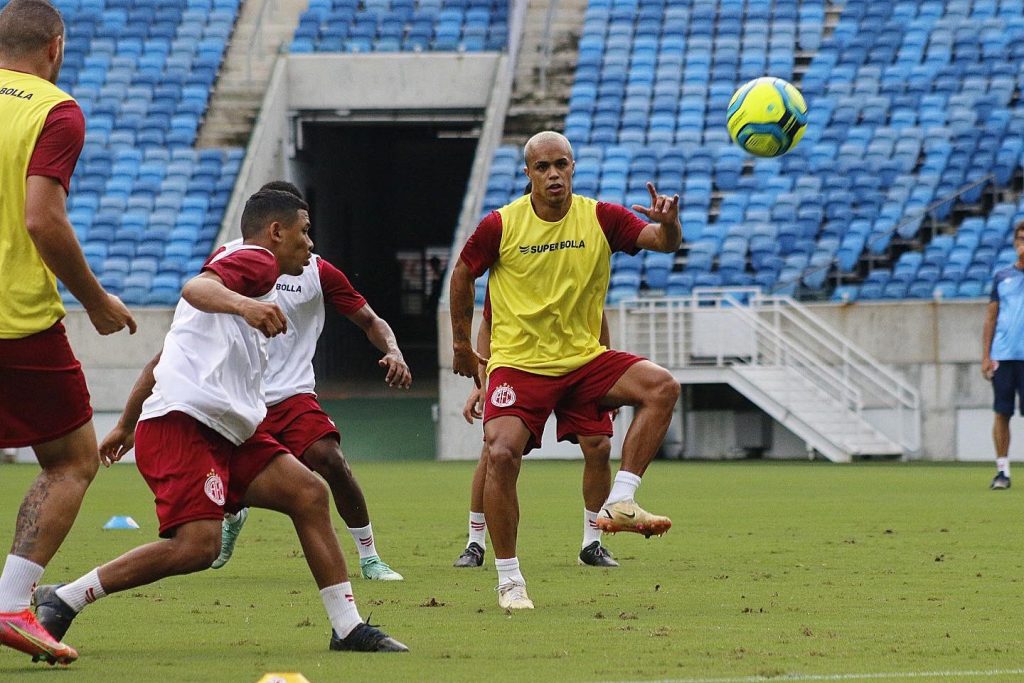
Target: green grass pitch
x,y
771,569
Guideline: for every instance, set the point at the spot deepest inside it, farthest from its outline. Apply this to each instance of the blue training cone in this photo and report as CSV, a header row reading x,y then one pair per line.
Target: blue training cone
x,y
121,522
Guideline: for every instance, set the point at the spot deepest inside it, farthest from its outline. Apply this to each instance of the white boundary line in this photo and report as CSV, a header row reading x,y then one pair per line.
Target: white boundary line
x,y
846,677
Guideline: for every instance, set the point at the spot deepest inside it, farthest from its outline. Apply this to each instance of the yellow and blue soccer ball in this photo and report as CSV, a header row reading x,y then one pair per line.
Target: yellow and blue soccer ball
x,y
767,116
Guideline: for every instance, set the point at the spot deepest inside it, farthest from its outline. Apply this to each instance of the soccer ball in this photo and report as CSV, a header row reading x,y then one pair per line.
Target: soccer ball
x,y
767,117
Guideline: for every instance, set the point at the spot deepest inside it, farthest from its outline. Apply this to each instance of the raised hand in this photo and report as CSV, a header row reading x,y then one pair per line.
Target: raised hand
x,y
663,209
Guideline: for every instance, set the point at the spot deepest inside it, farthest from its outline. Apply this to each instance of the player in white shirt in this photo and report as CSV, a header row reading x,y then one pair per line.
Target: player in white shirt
x,y
196,440
294,416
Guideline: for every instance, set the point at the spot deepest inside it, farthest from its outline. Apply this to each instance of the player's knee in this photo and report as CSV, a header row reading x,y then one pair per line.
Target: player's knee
x,y
501,456
311,495
334,468
194,552
325,458
596,449
665,390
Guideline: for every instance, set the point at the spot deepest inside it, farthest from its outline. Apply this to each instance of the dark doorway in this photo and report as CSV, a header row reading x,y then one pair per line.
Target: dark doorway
x,y
384,203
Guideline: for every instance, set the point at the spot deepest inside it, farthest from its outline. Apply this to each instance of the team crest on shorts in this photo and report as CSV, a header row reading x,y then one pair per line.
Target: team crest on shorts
x,y
503,396
214,488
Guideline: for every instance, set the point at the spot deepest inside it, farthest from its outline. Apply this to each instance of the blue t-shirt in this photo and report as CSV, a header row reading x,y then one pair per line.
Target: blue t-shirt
x,y
1008,292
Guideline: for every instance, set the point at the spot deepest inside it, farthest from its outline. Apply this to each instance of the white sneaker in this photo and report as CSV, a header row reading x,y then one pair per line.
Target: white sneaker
x,y
512,595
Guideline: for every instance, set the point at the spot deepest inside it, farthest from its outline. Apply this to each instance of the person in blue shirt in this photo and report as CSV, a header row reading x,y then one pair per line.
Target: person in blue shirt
x,y
1003,354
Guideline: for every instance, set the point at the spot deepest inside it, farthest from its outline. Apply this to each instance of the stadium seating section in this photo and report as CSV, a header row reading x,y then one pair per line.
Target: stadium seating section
x,y
913,117
410,25
145,204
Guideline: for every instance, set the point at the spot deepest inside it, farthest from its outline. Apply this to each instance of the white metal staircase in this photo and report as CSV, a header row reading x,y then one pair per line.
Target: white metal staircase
x,y
841,402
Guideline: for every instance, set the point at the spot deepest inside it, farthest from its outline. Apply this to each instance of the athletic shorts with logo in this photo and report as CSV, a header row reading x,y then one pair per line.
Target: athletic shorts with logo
x,y
297,423
43,395
193,471
575,396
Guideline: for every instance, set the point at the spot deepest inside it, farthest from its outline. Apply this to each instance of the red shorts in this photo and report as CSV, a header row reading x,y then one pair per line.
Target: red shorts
x,y
193,471
575,396
43,395
298,422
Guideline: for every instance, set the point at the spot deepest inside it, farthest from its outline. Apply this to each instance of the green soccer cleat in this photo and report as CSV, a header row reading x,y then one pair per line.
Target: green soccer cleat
x,y
229,530
376,569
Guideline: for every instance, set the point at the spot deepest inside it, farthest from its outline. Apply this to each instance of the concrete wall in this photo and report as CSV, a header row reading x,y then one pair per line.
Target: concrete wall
x,y
390,81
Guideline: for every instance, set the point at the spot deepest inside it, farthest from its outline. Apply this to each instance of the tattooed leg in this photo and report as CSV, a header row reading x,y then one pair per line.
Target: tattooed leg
x,y
52,502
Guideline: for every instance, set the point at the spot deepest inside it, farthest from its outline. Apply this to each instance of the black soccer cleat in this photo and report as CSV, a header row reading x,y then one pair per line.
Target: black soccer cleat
x,y
472,556
366,638
1000,482
51,612
596,555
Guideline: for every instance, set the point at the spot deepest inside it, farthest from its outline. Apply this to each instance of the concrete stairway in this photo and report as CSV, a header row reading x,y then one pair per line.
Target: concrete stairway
x,y
824,423
545,68
263,28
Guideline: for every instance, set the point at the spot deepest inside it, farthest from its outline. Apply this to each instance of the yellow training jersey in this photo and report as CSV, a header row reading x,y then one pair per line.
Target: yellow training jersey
x,y
29,301
547,289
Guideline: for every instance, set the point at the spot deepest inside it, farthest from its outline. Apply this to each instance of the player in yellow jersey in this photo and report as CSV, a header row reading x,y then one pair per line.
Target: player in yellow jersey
x,y
44,401
549,254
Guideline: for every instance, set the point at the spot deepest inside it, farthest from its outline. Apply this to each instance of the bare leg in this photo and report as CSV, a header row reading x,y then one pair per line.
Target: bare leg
x,y
653,393
194,546
1001,434
506,438
326,459
49,508
476,496
597,475
285,485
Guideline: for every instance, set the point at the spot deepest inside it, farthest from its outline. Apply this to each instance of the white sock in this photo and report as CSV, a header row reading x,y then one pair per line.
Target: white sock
x,y
508,571
83,591
477,530
364,541
624,488
232,516
341,608
590,531
17,583
1003,465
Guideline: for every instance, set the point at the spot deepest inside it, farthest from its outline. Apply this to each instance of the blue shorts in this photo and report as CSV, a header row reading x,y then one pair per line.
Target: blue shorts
x,y
1008,383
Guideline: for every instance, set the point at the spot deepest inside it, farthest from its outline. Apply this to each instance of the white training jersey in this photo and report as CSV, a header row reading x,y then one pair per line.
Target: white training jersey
x,y
290,362
303,298
213,363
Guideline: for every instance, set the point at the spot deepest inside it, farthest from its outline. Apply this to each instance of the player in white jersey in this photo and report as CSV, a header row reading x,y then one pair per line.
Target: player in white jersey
x,y
196,440
294,416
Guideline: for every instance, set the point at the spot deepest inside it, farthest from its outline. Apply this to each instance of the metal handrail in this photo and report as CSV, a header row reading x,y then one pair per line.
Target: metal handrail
x,y
257,39
791,337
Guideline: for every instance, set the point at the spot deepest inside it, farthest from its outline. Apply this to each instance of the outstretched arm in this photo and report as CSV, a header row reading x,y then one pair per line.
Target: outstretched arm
x,y
382,336
664,233
121,438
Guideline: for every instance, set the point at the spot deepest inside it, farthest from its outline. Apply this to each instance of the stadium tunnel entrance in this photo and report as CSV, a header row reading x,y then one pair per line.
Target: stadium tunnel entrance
x,y
384,205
